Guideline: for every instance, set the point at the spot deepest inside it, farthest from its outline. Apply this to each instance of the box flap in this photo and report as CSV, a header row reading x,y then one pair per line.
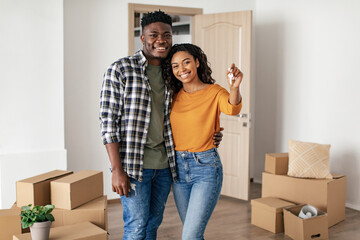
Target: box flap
x,y
45,176
14,206
334,176
278,154
271,204
337,176
295,210
77,176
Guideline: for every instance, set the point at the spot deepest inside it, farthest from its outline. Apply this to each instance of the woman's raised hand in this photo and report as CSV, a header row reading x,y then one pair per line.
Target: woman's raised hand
x,y
234,76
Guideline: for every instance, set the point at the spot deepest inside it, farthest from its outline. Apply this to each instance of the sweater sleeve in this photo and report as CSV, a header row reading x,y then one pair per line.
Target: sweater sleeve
x,y
225,106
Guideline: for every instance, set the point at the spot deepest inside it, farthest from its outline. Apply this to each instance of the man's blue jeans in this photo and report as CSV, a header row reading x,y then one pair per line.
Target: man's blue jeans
x,y
143,209
197,191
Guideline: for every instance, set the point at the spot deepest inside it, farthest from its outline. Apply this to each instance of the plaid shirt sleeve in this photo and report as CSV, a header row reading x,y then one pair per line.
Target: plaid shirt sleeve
x,y
111,103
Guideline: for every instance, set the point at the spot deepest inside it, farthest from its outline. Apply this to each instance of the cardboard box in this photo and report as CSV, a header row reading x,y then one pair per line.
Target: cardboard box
x,y
36,190
267,213
326,194
79,231
26,230
305,229
76,189
277,163
10,223
94,211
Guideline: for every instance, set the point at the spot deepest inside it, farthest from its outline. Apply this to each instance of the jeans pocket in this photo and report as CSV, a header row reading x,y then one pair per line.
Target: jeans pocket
x,y
207,158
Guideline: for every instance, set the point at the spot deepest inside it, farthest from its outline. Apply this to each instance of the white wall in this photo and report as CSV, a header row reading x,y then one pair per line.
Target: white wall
x,y
31,92
95,36
308,81
304,77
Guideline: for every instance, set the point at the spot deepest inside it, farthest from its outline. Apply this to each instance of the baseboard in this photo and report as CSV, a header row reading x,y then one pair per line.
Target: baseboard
x,y
257,180
352,206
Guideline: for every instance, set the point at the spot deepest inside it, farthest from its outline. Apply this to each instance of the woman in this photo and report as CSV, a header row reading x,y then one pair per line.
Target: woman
x,y
194,117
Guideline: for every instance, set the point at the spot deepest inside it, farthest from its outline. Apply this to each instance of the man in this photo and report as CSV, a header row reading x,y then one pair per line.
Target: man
x,y
134,113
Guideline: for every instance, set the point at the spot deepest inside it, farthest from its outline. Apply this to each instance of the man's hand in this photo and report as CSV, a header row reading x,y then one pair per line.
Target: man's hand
x,y
120,182
218,137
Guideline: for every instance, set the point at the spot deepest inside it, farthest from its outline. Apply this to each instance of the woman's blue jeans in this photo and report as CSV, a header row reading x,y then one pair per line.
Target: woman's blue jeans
x,y
197,191
143,209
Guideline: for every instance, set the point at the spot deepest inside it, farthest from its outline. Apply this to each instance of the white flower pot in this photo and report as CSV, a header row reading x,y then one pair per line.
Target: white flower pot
x,y
40,230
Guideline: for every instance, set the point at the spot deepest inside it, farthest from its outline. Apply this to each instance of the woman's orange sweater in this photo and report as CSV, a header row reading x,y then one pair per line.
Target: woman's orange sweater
x,y
195,117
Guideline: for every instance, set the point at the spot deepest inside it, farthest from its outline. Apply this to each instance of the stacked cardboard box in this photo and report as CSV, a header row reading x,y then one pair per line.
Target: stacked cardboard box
x,y
267,213
328,195
78,198
303,229
36,190
76,189
9,223
79,231
94,211
277,163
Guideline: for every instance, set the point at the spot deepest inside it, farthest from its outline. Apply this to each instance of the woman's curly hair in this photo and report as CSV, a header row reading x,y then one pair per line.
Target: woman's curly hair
x,y
204,71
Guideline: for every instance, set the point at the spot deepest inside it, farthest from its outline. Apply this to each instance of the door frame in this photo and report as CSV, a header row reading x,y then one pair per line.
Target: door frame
x,y
144,8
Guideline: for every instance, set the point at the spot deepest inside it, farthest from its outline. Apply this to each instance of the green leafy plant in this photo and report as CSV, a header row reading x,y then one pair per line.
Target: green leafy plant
x,y
36,214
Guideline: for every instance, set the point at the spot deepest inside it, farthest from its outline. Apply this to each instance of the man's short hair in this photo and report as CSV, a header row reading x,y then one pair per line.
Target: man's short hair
x,y
156,16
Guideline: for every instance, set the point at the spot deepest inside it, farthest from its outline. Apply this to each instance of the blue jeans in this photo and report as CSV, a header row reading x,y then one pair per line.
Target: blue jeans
x,y
143,209
197,190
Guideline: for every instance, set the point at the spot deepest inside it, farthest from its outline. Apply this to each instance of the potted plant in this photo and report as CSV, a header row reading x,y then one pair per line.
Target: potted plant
x,y
39,220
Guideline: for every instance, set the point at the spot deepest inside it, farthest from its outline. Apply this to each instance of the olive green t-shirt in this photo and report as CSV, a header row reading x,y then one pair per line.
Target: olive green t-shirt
x,y
155,156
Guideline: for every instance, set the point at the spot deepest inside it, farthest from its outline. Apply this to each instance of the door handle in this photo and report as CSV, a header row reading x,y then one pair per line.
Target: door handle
x,y
245,115
242,115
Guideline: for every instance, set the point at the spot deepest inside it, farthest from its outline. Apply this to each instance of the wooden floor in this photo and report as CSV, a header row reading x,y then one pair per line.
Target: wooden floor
x,y
230,221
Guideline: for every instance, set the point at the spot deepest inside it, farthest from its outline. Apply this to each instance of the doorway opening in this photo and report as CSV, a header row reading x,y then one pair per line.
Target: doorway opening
x,y
182,22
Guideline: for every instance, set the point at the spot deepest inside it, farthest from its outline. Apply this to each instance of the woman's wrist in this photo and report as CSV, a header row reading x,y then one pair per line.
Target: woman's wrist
x,y
235,97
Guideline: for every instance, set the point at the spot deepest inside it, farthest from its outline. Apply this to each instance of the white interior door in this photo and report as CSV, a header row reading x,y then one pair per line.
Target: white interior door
x,y
225,39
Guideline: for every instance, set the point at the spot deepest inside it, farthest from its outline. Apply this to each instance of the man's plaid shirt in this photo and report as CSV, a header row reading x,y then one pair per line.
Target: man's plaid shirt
x,y
125,108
